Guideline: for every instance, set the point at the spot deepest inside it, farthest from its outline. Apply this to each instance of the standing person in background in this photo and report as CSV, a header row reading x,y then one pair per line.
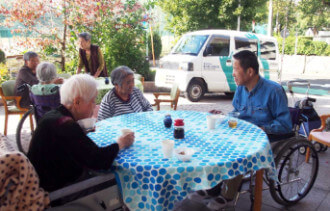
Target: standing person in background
x,y
90,57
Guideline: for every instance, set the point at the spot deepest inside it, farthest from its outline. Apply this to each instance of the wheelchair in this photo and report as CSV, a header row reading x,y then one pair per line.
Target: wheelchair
x,y
41,104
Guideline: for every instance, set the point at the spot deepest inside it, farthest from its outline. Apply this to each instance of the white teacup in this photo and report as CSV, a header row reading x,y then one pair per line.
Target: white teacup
x,y
87,124
211,119
126,131
168,148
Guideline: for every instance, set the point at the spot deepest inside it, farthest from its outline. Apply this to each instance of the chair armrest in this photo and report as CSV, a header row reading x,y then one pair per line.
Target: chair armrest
x,y
76,187
157,94
17,102
317,130
163,100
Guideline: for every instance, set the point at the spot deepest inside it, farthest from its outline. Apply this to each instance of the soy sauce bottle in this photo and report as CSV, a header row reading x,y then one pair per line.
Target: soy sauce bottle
x,y
167,121
178,129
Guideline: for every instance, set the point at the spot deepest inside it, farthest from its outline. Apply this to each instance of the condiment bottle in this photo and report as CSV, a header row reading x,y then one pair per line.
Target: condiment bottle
x,y
178,129
168,121
106,80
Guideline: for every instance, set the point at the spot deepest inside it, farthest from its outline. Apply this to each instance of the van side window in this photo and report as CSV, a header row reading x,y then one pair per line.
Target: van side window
x,y
267,50
246,44
218,46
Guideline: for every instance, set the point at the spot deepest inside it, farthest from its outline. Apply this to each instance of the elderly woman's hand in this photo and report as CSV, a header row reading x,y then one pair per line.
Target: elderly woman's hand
x,y
126,140
58,81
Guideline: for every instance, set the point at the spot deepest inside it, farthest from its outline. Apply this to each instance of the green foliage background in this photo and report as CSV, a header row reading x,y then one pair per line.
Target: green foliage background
x,y
190,15
305,46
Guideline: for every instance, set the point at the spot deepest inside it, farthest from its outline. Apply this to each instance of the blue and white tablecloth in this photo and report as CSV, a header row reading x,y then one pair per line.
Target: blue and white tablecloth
x,y
150,182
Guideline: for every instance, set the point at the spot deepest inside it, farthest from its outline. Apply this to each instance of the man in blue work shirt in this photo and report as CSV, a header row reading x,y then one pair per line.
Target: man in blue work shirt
x,y
258,100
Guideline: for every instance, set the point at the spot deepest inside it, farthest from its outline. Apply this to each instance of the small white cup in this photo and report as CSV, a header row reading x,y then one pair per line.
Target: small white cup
x,y
126,130
168,148
211,119
87,124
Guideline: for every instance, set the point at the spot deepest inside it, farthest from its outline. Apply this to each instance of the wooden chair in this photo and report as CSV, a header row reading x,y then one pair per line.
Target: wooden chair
x,y
319,135
12,103
174,97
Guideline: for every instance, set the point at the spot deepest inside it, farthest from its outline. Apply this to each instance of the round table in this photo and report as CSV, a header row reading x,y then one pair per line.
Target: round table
x,y
150,182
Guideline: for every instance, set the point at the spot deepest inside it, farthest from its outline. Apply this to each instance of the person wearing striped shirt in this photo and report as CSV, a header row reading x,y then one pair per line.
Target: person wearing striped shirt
x,y
124,98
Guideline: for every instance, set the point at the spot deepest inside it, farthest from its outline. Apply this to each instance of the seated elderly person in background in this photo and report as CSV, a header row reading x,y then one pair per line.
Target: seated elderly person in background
x,y
59,150
48,80
124,98
45,95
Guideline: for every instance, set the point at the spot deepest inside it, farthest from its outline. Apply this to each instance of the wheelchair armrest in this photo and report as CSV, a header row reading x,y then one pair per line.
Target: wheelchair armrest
x,y
79,186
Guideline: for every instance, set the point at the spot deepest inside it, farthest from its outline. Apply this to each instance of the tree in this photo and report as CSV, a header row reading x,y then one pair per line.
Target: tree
x,y
189,15
314,14
54,26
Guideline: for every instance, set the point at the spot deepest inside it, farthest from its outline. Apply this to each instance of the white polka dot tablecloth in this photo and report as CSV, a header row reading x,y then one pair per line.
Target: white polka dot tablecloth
x,y
150,182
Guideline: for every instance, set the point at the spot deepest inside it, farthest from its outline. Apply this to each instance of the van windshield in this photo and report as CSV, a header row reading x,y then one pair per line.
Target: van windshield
x,y
190,44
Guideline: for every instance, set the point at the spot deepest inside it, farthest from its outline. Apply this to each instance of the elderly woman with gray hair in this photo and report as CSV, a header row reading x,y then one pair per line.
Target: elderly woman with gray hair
x,y
60,150
48,80
124,98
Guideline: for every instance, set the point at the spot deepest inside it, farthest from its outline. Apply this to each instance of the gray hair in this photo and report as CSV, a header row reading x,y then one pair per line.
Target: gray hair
x,y
46,72
28,55
119,74
81,85
87,36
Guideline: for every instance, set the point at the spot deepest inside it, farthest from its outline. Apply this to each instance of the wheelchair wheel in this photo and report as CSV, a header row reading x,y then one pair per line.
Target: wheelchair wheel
x,y
318,146
24,133
325,148
296,177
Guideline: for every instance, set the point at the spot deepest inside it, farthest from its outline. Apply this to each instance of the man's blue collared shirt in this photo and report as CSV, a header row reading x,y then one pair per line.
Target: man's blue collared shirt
x,y
265,106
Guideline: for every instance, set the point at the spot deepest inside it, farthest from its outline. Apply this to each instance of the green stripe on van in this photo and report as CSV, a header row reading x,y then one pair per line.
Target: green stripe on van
x,y
266,67
228,72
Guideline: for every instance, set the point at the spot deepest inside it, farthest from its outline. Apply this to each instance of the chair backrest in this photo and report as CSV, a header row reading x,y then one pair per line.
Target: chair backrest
x,y
295,117
174,91
44,103
8,88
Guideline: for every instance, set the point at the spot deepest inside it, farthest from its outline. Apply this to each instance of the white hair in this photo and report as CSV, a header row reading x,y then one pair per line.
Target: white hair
x,y
46,72
81,85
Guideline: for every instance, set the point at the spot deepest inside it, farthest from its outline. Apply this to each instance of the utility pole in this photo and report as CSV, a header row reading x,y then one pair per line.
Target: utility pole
x,y
270,18
239,18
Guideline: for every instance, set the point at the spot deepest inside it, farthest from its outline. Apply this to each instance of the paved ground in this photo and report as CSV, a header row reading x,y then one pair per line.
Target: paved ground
x,y
317,199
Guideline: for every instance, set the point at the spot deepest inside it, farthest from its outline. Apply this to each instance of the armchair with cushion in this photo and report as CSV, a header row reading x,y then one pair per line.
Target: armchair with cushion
x,y
12,103
173,97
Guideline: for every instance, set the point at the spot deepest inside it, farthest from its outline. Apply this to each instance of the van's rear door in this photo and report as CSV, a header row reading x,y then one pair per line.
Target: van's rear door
x,y
269,59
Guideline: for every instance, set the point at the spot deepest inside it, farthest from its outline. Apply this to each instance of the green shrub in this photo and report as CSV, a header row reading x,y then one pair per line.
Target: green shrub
x,y
305,46
2,57
157,45
4,73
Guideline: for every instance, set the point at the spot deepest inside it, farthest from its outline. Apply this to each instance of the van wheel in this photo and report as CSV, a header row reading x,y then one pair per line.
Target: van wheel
x,y
195,91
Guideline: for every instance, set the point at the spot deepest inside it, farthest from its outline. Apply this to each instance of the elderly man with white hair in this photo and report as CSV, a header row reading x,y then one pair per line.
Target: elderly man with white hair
x,y
124,98
60,151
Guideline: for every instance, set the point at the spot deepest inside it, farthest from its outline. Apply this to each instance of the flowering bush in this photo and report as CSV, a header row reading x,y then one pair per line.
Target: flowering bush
x,y
4,73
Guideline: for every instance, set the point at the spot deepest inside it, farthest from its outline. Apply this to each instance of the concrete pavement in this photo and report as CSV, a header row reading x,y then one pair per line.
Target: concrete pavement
x,y
317,199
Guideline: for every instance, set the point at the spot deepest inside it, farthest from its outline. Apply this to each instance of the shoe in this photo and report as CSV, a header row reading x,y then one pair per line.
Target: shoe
x,y
199,196
217,203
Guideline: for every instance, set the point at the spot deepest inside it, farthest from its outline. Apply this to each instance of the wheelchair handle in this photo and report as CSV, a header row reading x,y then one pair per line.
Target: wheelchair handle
x,y
22,87
311,99
297,82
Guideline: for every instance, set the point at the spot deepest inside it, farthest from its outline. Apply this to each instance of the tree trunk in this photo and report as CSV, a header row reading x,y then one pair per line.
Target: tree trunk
x,y
63,43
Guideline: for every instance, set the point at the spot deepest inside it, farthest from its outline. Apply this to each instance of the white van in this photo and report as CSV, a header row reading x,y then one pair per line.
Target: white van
x,y
201,61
